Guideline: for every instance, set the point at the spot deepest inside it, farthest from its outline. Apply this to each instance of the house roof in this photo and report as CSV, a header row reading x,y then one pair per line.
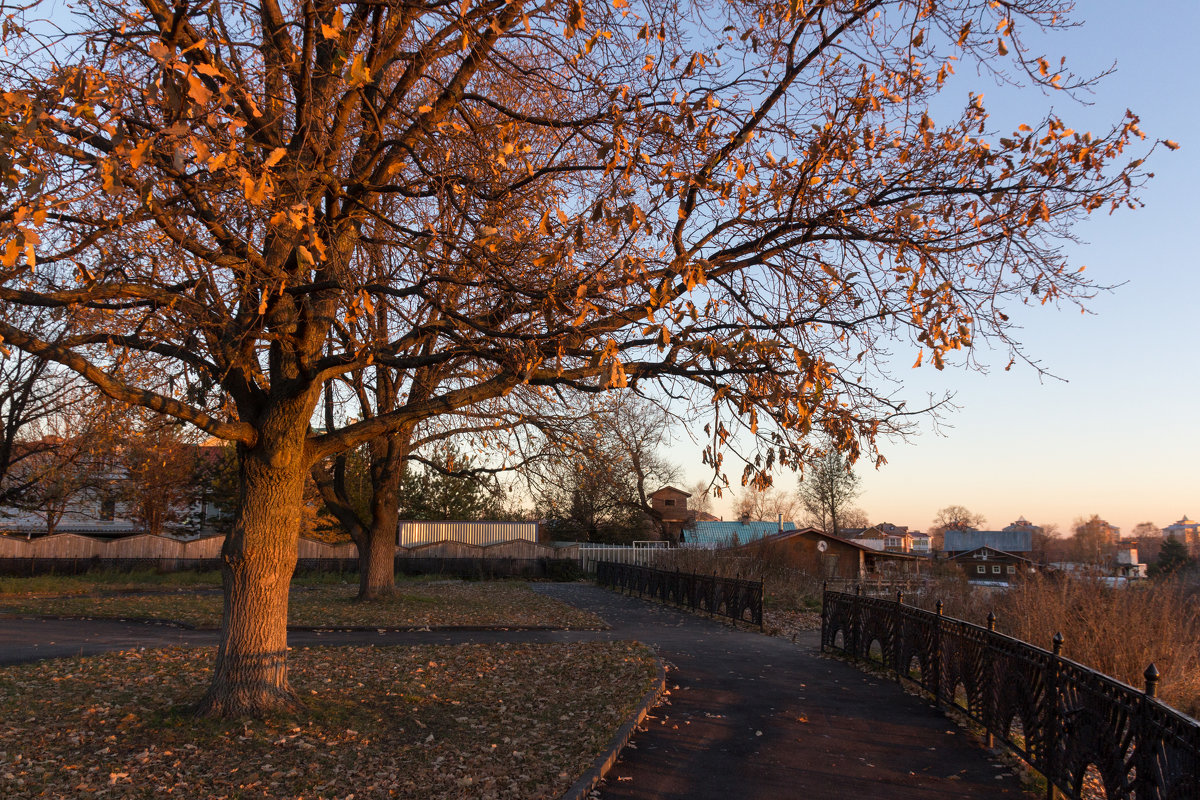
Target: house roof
x,y
725,534
670,490
819,534
990,551
1007,541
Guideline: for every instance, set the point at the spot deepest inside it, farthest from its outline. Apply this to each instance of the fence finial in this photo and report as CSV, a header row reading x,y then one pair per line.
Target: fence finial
x,y
991,620
900,597
1151,676
1057,641
939,608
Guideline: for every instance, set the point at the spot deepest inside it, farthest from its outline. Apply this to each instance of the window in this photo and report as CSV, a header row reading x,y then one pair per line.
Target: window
x,y
981,569
668,502
108,508
1012,569
995,569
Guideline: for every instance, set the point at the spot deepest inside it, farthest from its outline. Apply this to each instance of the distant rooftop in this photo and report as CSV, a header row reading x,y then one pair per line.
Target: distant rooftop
x,y
706,533
1010,541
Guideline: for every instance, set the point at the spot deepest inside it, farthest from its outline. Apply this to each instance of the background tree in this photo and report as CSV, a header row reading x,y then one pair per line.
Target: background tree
x,y
448,487
1150,540
853,517
598,486
157,477
827,489
766,505
1172,558
701,500
33,392
739,203
1092,540
1146,530
1048,545
953,518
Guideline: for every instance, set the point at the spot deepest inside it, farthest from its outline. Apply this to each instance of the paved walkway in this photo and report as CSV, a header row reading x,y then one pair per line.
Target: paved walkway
x,y
753,716
749,717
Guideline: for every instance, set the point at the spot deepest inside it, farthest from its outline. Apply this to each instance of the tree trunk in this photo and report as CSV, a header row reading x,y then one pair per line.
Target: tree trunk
x,y
377,560
259,556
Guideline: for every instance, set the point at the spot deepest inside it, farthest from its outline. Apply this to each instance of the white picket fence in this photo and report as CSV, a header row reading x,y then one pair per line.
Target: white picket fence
x,y
644,553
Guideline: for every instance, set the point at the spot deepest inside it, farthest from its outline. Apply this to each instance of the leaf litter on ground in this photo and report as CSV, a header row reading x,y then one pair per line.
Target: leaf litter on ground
x,y
433,721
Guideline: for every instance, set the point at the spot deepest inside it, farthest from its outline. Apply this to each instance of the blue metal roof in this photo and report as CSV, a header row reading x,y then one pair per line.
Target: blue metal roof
x,y
1008,541
730,534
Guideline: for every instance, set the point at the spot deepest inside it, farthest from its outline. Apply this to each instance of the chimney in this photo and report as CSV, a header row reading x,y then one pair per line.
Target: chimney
x,y
781,522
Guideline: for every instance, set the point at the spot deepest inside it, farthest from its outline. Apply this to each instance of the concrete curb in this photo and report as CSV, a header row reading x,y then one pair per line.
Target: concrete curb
x,y
605,761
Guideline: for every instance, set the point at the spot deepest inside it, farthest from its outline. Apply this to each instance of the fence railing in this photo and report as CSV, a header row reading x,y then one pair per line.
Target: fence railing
x,y
1061,717
736,598
592,554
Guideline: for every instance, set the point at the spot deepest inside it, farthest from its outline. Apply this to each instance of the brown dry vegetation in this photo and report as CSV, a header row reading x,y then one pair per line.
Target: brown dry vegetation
x,y
1118,631
415,604
791,596
1113,630
512,721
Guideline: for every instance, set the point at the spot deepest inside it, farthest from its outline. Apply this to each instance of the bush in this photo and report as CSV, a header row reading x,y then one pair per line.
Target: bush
x,y
563,570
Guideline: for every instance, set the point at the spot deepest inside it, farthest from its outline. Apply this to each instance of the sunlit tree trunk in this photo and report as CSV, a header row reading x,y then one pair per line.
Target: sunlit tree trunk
x,y
259,556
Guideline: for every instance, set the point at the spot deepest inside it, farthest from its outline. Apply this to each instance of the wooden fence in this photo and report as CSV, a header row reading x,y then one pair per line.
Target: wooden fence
x,y
173,553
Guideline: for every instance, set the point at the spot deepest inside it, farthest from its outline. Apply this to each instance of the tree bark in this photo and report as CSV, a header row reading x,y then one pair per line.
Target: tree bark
x,y
376,560
259,556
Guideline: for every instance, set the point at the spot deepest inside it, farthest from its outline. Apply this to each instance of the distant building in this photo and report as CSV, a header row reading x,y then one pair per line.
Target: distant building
x,y
892,539
819,553
669,506
1007,541
1187,531
1023,524
1127,565
987,566
922,543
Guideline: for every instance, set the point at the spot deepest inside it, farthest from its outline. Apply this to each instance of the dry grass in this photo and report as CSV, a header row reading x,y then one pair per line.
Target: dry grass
x,y
416,604
496,721
1117,631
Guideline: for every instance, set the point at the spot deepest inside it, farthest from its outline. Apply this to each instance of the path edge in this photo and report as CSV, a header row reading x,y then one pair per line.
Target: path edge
x,y
607,759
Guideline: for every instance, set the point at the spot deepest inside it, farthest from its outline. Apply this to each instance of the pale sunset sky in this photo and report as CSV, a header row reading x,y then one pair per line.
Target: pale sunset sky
x,y
1118,435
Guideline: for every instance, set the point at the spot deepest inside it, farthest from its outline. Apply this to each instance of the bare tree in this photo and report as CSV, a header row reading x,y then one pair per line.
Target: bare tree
x,y
953,518
827,490
600,483
1092,540
768,505
33,393
701,500
740,203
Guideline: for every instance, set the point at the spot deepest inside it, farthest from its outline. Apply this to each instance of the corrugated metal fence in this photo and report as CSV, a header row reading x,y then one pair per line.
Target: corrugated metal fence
x,y
416,533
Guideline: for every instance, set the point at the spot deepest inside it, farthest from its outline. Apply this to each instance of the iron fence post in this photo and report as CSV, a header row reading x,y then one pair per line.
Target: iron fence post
x,y
1052,718
897,634
991,694
934,681
1144,786
824,593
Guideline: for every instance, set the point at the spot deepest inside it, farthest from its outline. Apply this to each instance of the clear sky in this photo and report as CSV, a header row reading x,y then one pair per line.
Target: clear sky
x,y
1118,436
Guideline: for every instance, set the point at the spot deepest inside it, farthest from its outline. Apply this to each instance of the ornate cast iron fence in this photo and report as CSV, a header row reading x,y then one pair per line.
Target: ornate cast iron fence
x,y
736,598
1058,715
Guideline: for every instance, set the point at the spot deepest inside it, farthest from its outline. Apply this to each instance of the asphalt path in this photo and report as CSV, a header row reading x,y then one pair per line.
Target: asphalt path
x,y
747,716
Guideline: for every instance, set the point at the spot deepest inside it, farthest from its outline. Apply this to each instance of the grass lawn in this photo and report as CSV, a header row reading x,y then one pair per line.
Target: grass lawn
x,y
483,721
417,603
108,581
